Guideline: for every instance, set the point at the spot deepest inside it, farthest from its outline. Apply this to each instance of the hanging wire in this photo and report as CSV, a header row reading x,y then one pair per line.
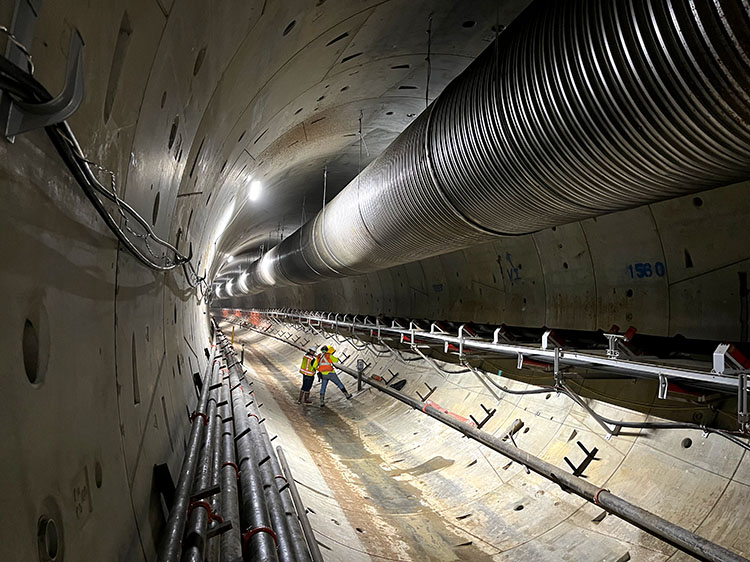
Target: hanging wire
x,y
23,86
13,39
429,62
325,187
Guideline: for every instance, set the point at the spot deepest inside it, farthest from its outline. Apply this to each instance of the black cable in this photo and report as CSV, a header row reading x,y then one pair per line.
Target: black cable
x,y
26,88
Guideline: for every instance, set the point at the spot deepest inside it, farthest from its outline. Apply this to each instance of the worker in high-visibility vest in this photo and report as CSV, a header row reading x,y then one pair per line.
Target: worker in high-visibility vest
x,y
308,376
324,365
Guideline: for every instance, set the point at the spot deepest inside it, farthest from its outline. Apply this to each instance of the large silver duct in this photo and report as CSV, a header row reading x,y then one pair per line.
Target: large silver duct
x,y
582,108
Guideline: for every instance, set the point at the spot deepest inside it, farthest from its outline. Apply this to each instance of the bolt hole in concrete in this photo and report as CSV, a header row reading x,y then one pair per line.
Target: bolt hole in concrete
x,y
697,201
163,98
155,210
49,545
289,27
629,293
98,474
199,61
468,24
173,131
687,443
30,345
518,508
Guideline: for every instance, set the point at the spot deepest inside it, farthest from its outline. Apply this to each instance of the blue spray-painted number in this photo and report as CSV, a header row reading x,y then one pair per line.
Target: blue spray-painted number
x,y
512,271
643,270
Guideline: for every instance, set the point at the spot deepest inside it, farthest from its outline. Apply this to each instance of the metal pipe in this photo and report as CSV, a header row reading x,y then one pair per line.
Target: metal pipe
x,y
217,505
276,510
580,109
673,534
259,540
677,536
195,540
291,544
628,367
297,536
231,547
172,542
299,506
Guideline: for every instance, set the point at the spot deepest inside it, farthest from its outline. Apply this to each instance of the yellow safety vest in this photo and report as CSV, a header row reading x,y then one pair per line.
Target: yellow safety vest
x,y
307,366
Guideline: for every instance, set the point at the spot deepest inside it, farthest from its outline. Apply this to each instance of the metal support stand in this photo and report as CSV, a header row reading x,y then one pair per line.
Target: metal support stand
x,y
590,456
743,414
488,415
360,371
431,390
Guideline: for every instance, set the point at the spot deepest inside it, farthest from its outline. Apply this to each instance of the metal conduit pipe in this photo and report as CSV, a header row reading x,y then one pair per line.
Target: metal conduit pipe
x,y
259,540
171,545
291,541
582,108
673,534
217,506
276,510
299,506
231,547
195,540
280,480
677,536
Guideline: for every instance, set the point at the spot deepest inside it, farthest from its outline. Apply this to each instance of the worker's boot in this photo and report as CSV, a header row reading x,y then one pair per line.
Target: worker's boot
x,y
348,396
322,400
301,394
307,398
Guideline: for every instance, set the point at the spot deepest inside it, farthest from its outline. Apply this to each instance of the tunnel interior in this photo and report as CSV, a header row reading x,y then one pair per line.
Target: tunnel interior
x,y
263,157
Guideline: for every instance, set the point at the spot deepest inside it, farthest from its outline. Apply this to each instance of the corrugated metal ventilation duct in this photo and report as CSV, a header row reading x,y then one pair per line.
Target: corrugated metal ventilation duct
x,y
599,107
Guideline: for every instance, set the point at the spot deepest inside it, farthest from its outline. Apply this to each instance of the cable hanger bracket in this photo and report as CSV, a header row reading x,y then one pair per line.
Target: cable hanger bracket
x,y
19,117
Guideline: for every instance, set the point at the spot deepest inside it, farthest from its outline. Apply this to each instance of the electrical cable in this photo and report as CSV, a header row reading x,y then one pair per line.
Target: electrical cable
x,y
26,88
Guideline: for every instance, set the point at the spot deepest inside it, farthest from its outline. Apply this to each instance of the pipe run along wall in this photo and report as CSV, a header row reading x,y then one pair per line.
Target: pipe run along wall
x,y
579,109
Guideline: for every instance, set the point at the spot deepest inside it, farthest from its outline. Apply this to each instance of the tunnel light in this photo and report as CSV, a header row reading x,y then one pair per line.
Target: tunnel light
x,y
254,192
243,282
229,259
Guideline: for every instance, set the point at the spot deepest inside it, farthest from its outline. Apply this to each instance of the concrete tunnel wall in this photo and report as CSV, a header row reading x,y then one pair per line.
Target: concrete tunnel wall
x,y
382,478
98,353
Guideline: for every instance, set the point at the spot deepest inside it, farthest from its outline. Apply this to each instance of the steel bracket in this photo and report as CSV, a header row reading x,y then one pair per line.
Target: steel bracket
x,y
590,456
614,346
19,117
743,414
488,415
663,387
431,390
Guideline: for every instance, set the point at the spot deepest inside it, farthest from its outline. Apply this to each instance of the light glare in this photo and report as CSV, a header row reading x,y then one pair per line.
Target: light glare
x,y
255,189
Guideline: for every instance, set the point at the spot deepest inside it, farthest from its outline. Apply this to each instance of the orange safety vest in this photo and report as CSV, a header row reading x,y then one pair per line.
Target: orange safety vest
x,y
307,366
325,365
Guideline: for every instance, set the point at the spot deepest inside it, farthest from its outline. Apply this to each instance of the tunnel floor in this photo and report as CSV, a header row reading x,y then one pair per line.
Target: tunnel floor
x,y
389,515
381,481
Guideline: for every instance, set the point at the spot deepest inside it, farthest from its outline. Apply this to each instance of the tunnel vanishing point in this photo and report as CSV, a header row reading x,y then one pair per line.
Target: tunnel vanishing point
x,y
521,226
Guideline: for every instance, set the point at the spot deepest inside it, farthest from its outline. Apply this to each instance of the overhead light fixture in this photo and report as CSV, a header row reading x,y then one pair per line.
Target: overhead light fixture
x,y
229,259
254,191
